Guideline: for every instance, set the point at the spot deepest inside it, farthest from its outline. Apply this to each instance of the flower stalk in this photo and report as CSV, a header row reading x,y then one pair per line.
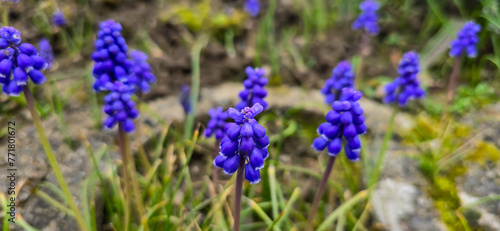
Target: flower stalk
x,y
319,193
30,101
238,193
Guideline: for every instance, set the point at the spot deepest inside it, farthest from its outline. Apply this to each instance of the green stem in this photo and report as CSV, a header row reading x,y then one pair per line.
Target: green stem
x,y
195,84
450,93
122,136
237,193
383,149
52,159
319,193
129,167
364,50
5,15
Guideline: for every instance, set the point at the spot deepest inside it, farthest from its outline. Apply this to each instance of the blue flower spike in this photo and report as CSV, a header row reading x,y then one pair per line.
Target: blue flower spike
x,y
466,41
111,58
119,107
406,86
216,123
58,19
344,125
342,76
18,62
46,52
143,78
368,19
244,138
254,91
185,99
252,7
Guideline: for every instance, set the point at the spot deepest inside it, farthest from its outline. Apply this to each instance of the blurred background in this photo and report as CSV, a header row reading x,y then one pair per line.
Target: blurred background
x,y
438,175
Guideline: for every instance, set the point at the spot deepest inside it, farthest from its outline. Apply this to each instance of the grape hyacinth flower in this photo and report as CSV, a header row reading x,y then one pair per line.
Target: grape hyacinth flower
x,y
368,18
245,139
344,125
111,60
58,19
18,62
185,99
254,91
406,86
143,77
46,52
217,123
466,40
252,7
342,76
119,107
243,149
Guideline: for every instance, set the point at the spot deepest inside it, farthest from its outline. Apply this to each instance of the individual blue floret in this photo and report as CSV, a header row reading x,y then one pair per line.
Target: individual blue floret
x,y
368,19
466,40
216,123
245,138
342,77
18,62
252,7
46,52
143,78
254,91
119,107
111,59
344,125
406,86
58,19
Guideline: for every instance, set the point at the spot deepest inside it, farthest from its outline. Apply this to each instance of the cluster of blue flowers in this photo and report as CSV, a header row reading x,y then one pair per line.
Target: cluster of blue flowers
x,y
368,18
111,58
466,40
254,91
252,7
119,107
46,52
406,86
18,62
344,125
58,19
245,138
342,76
143,77
216,123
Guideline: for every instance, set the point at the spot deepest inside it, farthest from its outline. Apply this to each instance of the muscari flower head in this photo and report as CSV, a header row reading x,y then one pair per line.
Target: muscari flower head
x,y
58,19
216,123
342,76
18,62
46,52
466,40
252,7
254,91
344,125
368,18
143,77
111,60
406,86
185,99
245,138
119,107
